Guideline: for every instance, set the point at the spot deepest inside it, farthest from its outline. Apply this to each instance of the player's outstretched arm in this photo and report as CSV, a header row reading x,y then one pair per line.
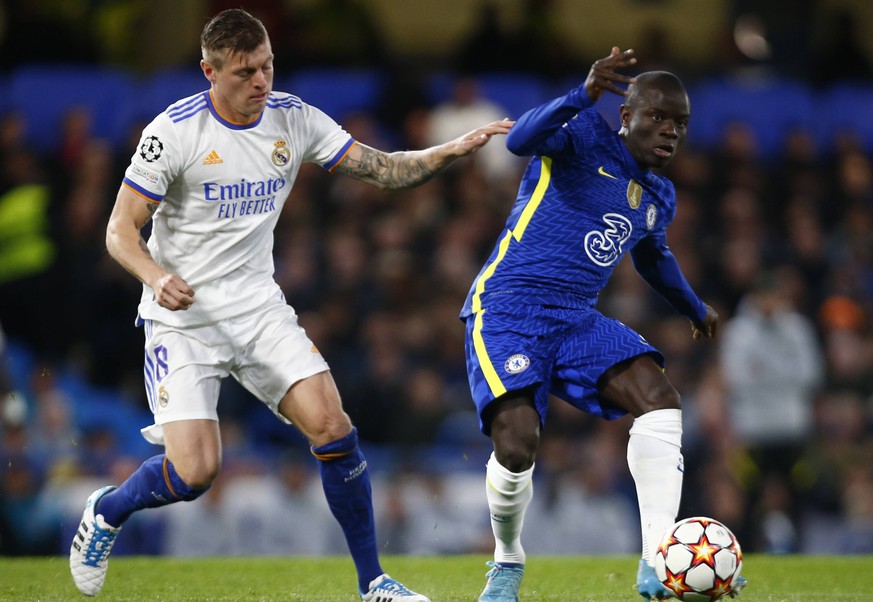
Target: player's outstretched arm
x,y
535,128
405,169
125,244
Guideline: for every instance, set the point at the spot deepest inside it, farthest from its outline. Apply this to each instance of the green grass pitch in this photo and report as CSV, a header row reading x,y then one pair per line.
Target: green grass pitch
x,y
444,579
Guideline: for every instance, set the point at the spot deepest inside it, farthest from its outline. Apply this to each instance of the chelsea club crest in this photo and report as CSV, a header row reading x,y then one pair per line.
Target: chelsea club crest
x,y
517,363
651,216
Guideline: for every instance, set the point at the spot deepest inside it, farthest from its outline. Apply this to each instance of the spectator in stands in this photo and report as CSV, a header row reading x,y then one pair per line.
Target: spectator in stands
x,y
467,105
28,251
773,369
30,514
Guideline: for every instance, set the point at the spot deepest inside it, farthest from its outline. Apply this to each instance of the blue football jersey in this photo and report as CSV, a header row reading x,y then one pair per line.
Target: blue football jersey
x,y
583,203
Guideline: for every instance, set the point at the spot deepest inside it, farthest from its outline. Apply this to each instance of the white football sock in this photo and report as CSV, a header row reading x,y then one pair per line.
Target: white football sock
x,y
509,495
654,456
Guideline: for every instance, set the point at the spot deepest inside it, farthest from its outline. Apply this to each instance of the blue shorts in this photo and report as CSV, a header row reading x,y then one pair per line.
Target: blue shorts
x,y
559,351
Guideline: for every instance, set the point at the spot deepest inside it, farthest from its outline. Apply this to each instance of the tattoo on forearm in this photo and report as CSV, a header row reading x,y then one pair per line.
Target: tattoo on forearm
x,y
394,170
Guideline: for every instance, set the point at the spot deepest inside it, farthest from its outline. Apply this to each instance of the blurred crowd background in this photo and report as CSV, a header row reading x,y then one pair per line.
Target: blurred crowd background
x,y
774,230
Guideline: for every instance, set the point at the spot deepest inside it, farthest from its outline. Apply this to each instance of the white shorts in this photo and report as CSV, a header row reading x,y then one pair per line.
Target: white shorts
x,y
266,351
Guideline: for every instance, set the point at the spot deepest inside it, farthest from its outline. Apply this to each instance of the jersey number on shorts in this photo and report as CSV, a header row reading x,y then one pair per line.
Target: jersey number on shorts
x,y
161,366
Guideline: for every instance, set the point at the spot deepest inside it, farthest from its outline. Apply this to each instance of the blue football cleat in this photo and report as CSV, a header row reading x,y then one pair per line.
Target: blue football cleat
x,y
648,585
503,582
737,586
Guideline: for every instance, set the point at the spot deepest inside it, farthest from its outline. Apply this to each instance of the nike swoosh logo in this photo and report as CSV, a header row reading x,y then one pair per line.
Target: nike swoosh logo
x,y
602,172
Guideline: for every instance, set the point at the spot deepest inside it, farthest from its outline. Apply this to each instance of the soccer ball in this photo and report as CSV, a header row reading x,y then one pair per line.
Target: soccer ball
x,y
698,559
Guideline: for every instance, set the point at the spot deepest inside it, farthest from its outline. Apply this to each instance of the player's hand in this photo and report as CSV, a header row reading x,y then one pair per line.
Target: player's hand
x,y
473,141
173,293
603,77
708,327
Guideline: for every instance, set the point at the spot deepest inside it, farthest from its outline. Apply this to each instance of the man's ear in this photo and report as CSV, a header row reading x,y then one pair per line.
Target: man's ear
x,y
624,115
208,71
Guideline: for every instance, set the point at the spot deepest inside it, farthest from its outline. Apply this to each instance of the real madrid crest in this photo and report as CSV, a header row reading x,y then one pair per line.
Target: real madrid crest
x,y
163,397
281,154
634,194
651,216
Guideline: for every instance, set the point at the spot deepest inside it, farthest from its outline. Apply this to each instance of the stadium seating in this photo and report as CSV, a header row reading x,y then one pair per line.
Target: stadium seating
x,y
92,408
770,106
846,108
45,93
337,92
163,88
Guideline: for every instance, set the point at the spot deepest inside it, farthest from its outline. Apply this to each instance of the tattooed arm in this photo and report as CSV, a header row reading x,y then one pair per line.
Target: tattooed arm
x,y
405,169
125,244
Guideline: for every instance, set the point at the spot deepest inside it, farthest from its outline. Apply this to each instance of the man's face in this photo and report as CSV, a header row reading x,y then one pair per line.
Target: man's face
x,y
656,125
241,87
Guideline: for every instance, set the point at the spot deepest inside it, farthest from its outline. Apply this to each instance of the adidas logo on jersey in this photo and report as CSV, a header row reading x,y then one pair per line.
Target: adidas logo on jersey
x,y
213,159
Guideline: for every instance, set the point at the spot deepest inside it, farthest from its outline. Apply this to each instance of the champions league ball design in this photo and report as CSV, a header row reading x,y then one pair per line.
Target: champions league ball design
x,y
151,149
699,559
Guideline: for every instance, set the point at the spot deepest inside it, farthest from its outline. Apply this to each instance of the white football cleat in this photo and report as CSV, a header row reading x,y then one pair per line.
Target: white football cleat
x,y
89,552
385,589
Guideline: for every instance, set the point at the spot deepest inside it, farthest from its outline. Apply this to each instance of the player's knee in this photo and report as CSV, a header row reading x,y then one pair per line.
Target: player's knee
x,y
188,493
324,427
198,476
203,481
190,482
663,397
515,431
516,452
330,431
515,459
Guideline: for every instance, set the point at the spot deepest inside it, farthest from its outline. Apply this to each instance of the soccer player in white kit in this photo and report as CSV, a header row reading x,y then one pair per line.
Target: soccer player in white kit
x,y
212,173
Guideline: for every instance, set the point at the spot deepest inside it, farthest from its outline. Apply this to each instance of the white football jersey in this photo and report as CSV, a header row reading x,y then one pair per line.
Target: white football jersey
x,y
220,187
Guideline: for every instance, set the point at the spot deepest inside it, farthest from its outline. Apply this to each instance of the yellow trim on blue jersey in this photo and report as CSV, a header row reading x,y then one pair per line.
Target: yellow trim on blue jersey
x,y
480,285
535,199
518,232
494,383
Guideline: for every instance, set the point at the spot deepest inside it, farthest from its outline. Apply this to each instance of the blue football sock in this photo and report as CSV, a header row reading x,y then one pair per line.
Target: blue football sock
x,y
153,484
346,483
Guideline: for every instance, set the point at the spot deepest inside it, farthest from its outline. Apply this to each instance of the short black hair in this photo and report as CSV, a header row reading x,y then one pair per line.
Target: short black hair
x,y
662,80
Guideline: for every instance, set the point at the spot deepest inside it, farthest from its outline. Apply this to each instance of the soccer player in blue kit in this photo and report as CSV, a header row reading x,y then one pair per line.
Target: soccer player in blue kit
x,y
587,198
